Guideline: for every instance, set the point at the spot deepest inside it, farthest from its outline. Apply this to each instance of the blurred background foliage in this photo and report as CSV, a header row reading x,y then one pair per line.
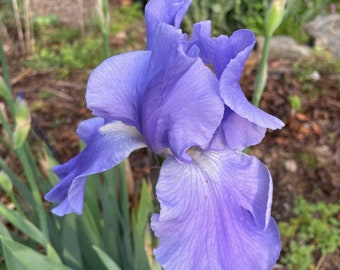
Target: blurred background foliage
x,y
230,15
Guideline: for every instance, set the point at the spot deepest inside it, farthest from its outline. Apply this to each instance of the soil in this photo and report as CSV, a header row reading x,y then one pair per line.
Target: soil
x,y
303,157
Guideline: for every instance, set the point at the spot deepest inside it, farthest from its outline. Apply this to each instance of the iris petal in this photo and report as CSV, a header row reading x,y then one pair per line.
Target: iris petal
x,y
240,132
219,51
215,213
163,11
116,87
182,106
112,143
88,129
228,57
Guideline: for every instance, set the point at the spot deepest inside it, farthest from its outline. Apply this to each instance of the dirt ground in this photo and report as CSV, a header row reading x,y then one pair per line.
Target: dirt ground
x,y
303,157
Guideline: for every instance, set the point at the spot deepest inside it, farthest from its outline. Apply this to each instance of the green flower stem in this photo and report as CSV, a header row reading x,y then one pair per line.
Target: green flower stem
x,y
106,45
21,153
261,78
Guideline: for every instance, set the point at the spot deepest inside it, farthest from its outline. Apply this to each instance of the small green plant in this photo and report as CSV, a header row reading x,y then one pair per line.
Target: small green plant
x,y
79,54
124,16
309,159
320,60
314,229
295,102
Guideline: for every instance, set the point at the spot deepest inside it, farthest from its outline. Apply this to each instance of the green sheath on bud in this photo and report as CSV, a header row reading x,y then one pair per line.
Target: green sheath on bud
x,y
274,17
22,122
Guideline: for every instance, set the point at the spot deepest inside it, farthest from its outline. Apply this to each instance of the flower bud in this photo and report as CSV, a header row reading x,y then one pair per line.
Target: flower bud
x,y
274,16
22,121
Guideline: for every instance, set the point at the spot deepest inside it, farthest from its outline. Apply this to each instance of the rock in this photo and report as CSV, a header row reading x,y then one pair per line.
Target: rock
x,y
284,47
291,165
326,32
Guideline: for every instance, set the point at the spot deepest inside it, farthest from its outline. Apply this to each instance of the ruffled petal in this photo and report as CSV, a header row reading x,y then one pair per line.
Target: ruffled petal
x,y
215,213
112,143
182,107
219,51
163,11
116,87
234,98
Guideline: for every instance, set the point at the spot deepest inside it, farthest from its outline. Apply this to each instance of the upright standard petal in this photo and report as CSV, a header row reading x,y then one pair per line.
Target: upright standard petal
x,y
215,213
163,11
181,107
234,98
228,56
219,51
116,87
111,144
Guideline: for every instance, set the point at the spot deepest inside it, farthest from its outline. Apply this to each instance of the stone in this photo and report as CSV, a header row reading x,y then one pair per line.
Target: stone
x,y
325,30
283,47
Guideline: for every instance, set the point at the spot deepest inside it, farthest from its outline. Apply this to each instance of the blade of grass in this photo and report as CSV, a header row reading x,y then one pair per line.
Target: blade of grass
x,y
35,191
139,222
71,250
107,261
23,225
19,256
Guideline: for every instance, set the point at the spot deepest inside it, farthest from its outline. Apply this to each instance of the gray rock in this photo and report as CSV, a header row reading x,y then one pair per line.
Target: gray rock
x,y
326,32
284,47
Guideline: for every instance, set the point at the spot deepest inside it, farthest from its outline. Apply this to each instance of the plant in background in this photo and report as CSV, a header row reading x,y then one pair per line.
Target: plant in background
x,y
299,13
314,229
295,102
273,19
229,15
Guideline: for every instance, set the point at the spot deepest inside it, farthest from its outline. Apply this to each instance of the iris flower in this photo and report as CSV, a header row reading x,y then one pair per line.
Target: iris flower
x,y
181,97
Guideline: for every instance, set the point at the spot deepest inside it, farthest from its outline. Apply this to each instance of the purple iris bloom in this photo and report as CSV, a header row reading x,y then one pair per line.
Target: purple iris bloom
x,y
215,200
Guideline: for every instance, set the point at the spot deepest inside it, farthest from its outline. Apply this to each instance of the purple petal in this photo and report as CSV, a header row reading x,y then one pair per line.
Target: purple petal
x,y
110,146
163,11
219,51
240,132
116,87
234,98
215,213
88,129
182,107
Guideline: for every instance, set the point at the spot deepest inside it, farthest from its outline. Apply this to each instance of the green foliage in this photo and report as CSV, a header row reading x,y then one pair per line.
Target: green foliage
x,y
227,15
76,55
320,60
309,159
298,13
126,15
230,15
295,102
314,228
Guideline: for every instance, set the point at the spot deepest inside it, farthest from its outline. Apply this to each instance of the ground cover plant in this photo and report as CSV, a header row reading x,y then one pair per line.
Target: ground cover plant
x,y
55,113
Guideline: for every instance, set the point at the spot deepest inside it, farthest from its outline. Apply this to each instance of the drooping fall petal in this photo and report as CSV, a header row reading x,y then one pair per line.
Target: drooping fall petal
x,y
215,213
